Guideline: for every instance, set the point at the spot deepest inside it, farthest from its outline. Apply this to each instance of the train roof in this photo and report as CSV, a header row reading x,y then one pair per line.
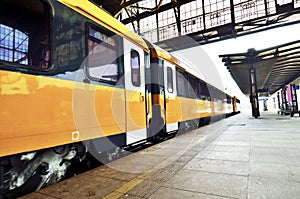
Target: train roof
x,y
100,16
165,55
176,60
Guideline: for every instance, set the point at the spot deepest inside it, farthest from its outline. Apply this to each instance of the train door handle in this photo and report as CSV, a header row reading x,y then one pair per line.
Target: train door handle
x,y
142,98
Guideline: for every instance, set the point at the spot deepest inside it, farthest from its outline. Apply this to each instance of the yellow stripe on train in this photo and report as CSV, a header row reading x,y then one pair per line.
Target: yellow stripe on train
x,y
40,112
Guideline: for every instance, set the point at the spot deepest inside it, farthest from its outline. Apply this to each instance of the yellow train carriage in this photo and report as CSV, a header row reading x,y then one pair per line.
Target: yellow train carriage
x,y
40,110
188,100
69,72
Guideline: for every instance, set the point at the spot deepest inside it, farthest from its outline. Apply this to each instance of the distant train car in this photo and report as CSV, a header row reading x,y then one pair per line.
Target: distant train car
x,y
188,101
74,81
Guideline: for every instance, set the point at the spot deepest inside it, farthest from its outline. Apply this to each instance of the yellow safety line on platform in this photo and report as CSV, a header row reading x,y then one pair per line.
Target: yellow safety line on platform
x,y
124,189
141,178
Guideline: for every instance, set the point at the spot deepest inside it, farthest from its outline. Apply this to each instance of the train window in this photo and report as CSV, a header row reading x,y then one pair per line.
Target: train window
x,y
192,87
170,80
213,93
204,91
147,69
160,78
181,84
135,68
24,35
229,99
219,95
13,45
210,93
102,60
199,90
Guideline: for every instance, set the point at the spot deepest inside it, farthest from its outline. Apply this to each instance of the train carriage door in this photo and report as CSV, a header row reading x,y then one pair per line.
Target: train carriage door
x,y
136,106
170,93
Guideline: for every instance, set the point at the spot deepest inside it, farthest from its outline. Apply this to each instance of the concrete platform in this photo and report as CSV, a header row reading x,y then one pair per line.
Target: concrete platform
x,y
239,157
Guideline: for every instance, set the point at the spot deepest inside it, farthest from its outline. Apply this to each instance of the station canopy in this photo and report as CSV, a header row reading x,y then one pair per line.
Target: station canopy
x,y
170,23
275,67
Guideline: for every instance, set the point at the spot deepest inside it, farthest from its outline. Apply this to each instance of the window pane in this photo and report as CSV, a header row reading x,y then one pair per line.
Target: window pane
x,y
181,80
169,80
13,45
103,56
102,37
192,87
135,68
204,91
24,38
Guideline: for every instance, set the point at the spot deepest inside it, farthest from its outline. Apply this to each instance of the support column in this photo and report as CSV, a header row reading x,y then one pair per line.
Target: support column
x,y
278,101
294,100
253,93
284,103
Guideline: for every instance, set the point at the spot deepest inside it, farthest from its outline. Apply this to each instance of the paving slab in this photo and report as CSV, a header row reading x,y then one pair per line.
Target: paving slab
x,y
233,143
137,163
233,156
272,171
259,150
219,166
232,149
210,183
269,188
110,172
82,187
163,150
165,192
295,173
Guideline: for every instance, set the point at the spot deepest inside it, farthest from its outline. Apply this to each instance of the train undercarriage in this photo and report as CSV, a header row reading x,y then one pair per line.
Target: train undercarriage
x,y
27,172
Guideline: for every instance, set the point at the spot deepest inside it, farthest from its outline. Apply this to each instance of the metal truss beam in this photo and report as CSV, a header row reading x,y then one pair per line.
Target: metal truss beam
x,y
223,23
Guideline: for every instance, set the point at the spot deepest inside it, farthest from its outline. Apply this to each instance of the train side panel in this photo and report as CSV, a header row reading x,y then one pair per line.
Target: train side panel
x,y
37,112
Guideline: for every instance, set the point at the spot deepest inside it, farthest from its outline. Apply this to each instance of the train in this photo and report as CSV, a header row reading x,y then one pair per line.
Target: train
x,y
75,83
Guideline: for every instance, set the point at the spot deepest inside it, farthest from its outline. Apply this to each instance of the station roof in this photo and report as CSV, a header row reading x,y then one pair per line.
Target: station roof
x,y
180,24
275,67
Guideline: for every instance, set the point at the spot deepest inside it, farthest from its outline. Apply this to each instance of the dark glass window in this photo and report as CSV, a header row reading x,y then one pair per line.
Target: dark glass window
x,y
192,87
181,84
160,73
170,80
204,94
135,68
24,35
102,62
199,91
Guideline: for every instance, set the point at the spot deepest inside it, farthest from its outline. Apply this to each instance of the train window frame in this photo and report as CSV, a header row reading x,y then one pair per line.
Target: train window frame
x,y
110,36
181,91
199,89
192,87
39,52
170,84
160,70
204,94
135,71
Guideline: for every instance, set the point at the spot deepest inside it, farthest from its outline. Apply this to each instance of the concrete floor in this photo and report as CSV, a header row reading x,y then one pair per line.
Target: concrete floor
x,y
239,157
